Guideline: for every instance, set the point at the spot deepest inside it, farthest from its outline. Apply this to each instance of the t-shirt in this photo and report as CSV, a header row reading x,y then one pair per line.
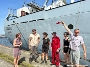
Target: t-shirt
x,y
46,42
75,41
34,39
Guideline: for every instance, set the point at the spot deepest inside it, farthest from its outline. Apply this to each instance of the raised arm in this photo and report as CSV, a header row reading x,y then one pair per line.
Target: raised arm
x,y
66,27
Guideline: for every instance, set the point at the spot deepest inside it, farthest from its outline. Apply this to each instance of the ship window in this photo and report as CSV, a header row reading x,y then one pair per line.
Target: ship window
x,y
40,19
8,25
12,24
32,10
32,20
24,22
27,13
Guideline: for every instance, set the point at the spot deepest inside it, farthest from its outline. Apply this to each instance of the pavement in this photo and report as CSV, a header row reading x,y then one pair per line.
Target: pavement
x,y
24,57
3,63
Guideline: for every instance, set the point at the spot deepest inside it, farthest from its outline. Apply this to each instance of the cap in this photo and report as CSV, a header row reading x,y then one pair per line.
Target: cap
x,y
54,33
45,33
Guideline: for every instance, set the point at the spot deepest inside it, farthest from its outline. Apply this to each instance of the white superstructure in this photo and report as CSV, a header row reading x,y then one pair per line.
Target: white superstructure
x,y
55,4
22,9
72,1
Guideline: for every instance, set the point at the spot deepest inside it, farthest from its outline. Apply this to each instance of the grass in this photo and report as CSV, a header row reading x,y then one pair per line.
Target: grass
x,y
10,60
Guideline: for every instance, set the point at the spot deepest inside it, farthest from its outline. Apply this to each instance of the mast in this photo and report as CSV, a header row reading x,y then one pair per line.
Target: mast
x,y
45,4
9,11
24,3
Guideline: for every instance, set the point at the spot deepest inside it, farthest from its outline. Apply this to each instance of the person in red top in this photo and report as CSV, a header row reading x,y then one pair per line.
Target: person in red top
x,y
55,47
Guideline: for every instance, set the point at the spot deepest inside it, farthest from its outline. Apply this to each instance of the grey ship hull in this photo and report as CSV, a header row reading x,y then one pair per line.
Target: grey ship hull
x,y
46,21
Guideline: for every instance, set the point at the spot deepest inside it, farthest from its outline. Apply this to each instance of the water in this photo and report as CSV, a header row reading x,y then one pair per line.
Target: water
x,y
4,41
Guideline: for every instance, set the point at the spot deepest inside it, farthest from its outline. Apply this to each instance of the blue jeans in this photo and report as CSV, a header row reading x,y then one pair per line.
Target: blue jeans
x,y
75,57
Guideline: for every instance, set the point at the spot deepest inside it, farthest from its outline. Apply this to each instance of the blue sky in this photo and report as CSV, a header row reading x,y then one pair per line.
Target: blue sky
x,y
14,4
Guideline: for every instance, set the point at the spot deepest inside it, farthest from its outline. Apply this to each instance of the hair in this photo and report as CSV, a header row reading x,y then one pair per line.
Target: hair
x,y
66,33
76,29
33,29
44,33
17,34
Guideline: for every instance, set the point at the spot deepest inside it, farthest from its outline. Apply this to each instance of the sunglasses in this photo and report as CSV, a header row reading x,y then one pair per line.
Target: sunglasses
x,y
76,32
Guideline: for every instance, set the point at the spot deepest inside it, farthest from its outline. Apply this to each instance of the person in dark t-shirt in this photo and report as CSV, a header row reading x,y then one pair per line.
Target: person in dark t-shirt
x,y
45,47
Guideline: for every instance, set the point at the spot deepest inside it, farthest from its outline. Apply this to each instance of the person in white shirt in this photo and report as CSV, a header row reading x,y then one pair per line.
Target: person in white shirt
x,y
75,42
34,40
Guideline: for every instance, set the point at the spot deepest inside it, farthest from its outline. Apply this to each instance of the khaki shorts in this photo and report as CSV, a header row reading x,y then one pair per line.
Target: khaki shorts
x,y
75,57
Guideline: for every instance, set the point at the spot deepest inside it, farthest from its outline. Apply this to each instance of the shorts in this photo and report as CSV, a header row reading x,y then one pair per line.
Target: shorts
x,y
16,52
45,49
66,49
75,56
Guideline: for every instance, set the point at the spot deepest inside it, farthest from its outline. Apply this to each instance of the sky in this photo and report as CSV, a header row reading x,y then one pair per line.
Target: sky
x,y
14,4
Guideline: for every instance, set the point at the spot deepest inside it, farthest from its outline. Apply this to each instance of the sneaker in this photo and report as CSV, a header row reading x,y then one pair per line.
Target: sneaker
x,y
42,62
30,60
57,66
36,61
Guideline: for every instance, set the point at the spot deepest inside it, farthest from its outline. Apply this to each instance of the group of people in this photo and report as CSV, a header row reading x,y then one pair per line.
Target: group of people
x,y
70,47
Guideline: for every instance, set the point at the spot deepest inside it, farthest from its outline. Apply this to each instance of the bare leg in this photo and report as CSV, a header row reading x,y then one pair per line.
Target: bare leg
x,y
68,57
65,57
77,65
18,60
15,61
46,55
42,58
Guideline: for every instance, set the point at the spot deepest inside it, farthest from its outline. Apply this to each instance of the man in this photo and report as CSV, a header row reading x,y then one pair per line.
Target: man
x,y
34,40
75,42
55,47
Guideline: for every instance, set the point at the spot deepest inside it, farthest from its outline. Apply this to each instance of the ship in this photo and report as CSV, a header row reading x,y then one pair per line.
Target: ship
x,y
43,19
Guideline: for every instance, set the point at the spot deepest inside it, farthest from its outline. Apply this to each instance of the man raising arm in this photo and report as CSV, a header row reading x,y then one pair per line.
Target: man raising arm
x,y
76,40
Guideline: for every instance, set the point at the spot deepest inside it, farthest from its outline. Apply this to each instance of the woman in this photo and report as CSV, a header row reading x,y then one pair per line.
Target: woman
x,y
45,47
17,43
66,43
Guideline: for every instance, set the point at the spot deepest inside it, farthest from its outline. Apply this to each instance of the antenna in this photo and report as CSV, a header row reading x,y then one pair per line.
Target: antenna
x,y
45,4
33,1
9,11
52,1
13,11
24,3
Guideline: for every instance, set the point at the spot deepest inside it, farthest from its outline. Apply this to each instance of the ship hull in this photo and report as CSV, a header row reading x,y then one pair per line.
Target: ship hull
x,y
76,14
